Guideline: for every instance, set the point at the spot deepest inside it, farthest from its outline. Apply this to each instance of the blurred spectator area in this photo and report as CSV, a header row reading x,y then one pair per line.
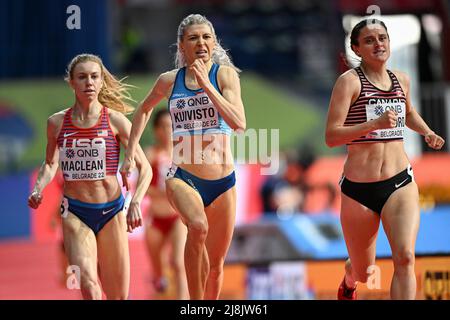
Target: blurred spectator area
x,y
36,42
300,39
281,39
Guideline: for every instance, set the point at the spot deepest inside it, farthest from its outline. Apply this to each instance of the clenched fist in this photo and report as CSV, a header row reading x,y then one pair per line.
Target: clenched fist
x,y
35,199
388,120
434,141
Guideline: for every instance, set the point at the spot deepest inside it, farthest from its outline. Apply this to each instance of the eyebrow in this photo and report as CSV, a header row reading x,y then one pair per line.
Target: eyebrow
x,y
83,72
371,36
203,34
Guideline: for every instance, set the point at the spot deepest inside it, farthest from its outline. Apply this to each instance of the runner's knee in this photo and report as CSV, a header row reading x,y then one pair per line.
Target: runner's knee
x,y
216,271
198,228
404,258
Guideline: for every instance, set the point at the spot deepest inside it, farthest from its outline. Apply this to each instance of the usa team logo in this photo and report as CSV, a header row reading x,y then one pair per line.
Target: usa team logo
x,y
70,153
379,110
181,104
102,133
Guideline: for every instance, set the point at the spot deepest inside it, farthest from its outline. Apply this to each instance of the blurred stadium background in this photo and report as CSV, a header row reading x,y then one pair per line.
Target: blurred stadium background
x,y
288,243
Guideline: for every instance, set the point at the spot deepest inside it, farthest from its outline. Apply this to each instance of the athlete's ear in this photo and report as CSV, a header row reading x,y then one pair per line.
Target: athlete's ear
x,y
71,84
355,50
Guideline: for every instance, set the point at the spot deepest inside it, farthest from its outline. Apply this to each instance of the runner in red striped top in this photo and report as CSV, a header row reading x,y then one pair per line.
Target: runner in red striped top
x,y
96,160
369,109
85,139
372,102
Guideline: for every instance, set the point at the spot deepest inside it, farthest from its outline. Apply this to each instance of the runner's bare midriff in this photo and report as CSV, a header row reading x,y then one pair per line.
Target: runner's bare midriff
x,y
207,157
97,191
371,162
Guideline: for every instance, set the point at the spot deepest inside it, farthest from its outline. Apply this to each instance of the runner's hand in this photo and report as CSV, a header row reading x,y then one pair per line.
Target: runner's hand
x,y
134,216
35,199
388,120
434,141
201,72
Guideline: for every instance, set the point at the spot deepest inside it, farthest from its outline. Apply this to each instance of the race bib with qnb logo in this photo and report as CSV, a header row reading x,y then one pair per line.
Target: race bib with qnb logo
x,y
84,160
193,113
375,109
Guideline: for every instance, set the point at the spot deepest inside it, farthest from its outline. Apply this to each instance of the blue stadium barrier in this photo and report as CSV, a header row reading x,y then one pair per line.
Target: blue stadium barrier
x,y
15,221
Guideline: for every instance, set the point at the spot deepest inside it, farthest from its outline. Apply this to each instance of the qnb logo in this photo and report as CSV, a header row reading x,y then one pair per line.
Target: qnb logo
x,y
181,104
379,110
198,101
70,153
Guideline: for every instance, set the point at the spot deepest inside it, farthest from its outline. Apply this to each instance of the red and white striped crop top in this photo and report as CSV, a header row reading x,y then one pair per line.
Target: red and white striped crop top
x,y
371,103
88,153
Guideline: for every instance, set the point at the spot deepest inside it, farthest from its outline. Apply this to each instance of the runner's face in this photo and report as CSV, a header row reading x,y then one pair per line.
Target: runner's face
x,y
373,43
87,80
198,43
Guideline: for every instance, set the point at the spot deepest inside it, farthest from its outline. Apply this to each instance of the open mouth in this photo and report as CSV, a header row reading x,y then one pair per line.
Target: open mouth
x,y
201,53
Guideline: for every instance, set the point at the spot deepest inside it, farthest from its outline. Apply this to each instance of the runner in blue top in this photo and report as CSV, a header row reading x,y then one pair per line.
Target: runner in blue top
x,y
205,106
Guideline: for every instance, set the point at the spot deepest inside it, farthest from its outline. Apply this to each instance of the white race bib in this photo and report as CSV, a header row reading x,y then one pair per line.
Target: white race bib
x,y
376,108
193,113
85,161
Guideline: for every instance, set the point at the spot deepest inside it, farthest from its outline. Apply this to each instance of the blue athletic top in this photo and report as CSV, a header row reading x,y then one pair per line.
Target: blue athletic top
x,y
191,111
